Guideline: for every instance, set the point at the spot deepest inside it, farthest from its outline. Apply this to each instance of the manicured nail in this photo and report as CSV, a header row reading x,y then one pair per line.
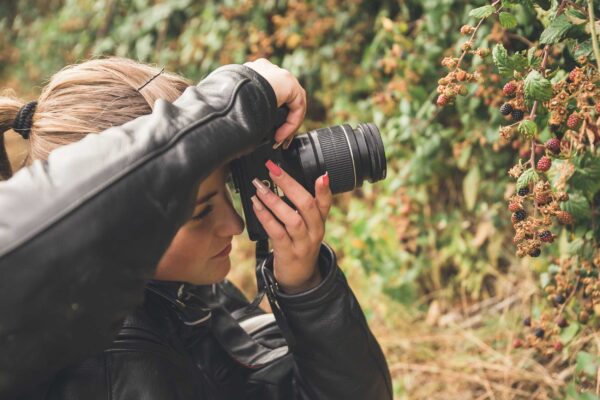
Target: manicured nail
x,y
326,179
260,187
287,142
257,203
276,145
273,168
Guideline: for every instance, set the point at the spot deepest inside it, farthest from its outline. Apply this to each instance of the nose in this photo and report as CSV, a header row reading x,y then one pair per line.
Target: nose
x,y
230,223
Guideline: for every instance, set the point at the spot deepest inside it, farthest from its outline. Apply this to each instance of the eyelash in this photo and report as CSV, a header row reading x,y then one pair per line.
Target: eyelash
x,y
203,213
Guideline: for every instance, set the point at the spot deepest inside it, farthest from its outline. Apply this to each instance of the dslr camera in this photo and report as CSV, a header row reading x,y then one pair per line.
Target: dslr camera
x,y
350,155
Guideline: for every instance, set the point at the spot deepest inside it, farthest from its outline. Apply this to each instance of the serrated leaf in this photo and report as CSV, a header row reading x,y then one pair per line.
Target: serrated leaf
x,y
507,20
534,62
556,30
518,62
569,332
482,12
527,177
575,246
537,87
500,57
577,205
527,128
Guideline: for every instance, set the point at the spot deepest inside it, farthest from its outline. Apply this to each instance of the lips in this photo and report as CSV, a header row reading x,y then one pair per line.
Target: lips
x,y
224,252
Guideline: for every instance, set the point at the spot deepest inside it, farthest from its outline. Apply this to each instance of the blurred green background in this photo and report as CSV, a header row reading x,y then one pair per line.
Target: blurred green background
x,y
429,250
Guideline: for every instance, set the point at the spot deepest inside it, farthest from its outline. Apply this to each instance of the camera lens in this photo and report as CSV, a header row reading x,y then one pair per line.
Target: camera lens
x,y
350,156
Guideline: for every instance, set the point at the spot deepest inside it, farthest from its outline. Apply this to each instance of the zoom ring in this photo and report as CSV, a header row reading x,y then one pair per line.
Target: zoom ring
x,y
338,159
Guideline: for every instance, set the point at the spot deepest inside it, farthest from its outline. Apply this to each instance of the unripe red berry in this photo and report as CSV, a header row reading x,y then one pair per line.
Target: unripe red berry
x,y
544,164
542,199
564,217
558,346
553,145
573,75
573,121
514,207
509,89
598,107
442,100
517,343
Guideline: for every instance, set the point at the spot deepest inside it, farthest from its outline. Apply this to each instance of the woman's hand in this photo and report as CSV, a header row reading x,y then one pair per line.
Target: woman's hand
x,y
288,91
296,240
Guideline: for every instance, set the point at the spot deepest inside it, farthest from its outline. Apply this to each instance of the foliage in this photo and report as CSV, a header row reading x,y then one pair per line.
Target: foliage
x,y
437,227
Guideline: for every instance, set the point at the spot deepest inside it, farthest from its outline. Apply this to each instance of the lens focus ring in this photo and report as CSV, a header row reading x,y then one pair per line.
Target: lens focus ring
x,y
338,158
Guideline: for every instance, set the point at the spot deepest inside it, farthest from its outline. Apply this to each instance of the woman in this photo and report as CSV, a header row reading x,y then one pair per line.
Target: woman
x,y
193,335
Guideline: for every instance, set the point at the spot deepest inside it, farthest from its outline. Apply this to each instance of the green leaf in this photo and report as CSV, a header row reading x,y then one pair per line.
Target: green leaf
x,y
482,12
527,128
537,87
507,20
556,30
534,62
500,57
527,177
577,205
569,332
575,246
471,188
587,363
518,62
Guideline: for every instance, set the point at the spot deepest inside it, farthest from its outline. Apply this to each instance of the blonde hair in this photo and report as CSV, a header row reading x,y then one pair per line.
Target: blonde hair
x,y
88,98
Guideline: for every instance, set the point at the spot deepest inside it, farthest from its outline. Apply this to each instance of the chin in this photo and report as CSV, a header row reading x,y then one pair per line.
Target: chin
x,y
214,272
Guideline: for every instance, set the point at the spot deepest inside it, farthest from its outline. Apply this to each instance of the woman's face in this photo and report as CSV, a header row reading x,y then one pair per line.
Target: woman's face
x,y
199,253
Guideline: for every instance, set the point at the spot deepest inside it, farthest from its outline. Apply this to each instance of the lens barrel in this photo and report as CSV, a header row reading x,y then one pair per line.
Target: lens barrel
x,y
350,156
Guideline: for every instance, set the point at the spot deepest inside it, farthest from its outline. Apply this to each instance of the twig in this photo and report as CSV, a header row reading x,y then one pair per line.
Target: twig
x,y
593,31
464,53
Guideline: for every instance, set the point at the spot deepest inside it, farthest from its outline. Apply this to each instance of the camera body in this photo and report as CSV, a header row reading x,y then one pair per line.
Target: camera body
x,y
349,155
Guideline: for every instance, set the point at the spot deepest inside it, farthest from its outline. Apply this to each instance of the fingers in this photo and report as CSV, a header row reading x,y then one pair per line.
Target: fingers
x,y
293,222
304,202
323,195
297,106
274,229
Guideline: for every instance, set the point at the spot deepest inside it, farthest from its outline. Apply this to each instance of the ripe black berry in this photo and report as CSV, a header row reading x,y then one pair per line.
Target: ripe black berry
x,y
527,321
506,109
539,333
517,115
520,215
559,299
535,252
562,322
524,191
546,236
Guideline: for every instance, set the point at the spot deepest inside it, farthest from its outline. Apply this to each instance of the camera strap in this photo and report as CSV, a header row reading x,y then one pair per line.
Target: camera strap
x,y
267,284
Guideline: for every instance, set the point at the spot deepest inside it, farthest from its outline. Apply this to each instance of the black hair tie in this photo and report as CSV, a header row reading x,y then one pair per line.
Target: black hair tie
x,y
24,119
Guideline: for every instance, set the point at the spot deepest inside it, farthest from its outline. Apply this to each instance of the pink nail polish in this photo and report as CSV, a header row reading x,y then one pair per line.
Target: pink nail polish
x,y
273,168
326,179
257,203
260,187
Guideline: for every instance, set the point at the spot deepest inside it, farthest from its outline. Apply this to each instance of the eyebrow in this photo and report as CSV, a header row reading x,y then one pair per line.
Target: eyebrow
x,y
204,199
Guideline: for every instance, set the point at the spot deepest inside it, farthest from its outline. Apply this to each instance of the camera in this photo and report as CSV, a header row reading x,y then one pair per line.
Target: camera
x,y
349,155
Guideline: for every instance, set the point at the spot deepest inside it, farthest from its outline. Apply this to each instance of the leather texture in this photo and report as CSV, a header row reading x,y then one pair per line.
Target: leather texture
x,y
81,234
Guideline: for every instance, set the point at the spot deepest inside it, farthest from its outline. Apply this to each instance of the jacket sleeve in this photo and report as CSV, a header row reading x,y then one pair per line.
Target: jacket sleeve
x,y
336,355
81,233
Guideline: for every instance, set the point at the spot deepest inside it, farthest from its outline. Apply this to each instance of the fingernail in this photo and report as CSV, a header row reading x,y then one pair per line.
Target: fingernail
x,y
260,187
276,145
326,179
257,203
287,142
273,168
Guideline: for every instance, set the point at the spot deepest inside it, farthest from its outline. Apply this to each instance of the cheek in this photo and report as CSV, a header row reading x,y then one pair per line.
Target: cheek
x,y
186,256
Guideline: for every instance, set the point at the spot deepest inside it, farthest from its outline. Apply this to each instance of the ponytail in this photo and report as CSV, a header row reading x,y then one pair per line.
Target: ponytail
x,y
9,108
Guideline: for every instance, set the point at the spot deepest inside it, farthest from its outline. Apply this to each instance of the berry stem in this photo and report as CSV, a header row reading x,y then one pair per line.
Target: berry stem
x,y
464,53
590,4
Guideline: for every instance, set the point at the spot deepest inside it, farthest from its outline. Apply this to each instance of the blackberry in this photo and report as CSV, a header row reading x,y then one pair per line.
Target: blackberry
x,y
524,191
520,215
559,299
506,109
573,121
527,321
553,145
517,115
539,333
544,164
509,89
558,346
546,236
535,252
562,322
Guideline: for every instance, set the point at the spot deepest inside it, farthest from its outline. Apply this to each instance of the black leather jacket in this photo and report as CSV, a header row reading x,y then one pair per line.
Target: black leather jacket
x,y
81,234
